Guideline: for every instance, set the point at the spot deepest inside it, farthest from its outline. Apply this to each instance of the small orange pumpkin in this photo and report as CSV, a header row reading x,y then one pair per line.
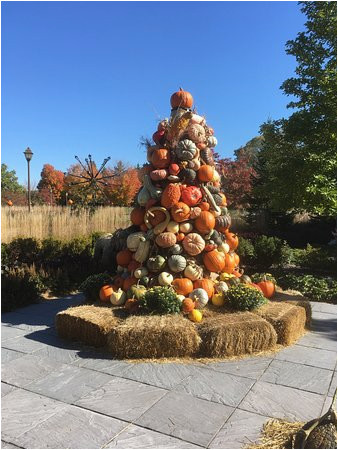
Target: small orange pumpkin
x,y
232,240
188,305
204,206
180,212
236,258
183,286
205,284
268,288
137,216
181,99
205,222
160,158
171,195
229,263
214,261
206,173
180,237
156,217
105,292
123,257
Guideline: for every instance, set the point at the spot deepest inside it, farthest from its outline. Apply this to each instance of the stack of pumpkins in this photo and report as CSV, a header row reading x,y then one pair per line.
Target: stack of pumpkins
x,y
184,239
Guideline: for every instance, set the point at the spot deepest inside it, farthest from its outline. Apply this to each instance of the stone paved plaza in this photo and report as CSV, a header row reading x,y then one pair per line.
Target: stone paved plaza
x,y
57,394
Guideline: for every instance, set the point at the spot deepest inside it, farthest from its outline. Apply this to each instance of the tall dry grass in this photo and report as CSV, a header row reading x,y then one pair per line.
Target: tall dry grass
x,y
59,221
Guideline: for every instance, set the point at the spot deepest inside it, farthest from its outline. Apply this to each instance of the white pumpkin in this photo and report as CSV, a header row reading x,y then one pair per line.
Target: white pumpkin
x,y
173,227
118,297
195,118
193,272
200,296
165,278
186,227
224,248
134,239
221,287
141,272
216,176
181,298
142,252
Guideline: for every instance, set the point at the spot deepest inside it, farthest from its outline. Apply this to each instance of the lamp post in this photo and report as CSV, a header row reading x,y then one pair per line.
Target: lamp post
x,y
28,155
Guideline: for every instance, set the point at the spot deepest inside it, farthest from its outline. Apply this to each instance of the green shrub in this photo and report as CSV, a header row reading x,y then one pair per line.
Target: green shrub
x,y
91,286
246,251
270,250
78,251
23,251
257,277
160,300
19,288
4,254
244,298
321,289
51,252
321,259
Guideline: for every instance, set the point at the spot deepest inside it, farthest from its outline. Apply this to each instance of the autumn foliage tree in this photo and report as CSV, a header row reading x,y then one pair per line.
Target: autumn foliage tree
x,y
51,184
237,179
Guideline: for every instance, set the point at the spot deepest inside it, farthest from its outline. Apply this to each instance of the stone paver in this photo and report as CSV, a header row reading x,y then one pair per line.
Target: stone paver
x,y
215,386
75,396
312,379
68,383
282,402
137,437
247,367
241,429
23,410
309,356
186,417
23,371
122,399
8,355
6,388
72,428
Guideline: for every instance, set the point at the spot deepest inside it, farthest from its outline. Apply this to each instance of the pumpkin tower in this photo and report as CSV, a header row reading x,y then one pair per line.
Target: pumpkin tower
x,y
182,237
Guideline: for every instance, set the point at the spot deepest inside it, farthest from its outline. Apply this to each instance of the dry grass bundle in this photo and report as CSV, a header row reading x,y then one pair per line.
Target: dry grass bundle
x,y
288,320
277,434
88,324
304,303
235,334
154,337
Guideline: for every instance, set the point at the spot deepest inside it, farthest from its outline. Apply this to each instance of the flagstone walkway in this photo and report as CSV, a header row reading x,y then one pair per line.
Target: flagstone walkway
x,y
57,394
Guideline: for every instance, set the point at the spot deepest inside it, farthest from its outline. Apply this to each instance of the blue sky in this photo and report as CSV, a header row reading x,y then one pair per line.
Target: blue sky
x,y
93,77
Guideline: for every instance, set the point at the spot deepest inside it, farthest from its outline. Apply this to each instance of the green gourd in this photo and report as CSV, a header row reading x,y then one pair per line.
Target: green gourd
x,y
177,263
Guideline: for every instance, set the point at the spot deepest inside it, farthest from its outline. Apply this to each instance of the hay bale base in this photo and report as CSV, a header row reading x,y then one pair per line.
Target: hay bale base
x,y
222,333
235,334
277,433
154,337
294,298
288,320
87,323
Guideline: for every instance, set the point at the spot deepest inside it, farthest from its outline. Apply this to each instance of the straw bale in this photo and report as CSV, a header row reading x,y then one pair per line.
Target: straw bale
x,y
288,320
277,433
89,324
154,337
235,334
308,309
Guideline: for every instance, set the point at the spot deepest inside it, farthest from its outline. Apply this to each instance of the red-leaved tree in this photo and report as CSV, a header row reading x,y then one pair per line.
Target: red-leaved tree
x,y
51,184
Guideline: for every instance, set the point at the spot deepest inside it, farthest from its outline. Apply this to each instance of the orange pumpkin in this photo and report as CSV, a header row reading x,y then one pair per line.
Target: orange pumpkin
x,y
105,292
205,284
255,286
181,99
124,257
128,282
236,258
214,261
180,212
188,305
156,217
221,229
229,263
206,173
268,288
232,240
237,273
171,195
183,286
137,216
204,206
205,222
160,158
132,305
180,237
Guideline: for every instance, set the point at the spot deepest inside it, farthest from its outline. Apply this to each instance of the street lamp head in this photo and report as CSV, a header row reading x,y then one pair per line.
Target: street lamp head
x,y
28,154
